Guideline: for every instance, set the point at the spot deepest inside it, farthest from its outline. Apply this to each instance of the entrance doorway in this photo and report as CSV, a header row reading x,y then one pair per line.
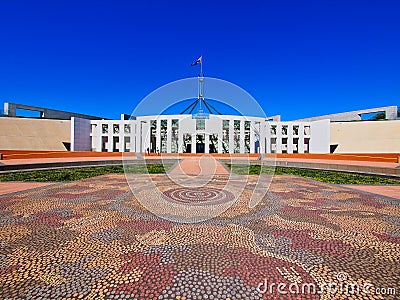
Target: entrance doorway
x,y
153,134
187,143
213,146
200,146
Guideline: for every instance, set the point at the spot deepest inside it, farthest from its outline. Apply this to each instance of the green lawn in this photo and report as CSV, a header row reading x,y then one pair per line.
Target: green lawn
x,y
320,175
81,173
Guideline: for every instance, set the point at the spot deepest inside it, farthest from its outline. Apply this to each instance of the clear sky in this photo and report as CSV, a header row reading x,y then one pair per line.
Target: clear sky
x,y
296,58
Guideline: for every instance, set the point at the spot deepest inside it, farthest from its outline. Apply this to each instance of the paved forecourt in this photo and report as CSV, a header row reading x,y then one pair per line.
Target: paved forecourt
x,y
12,187
199,165
93,239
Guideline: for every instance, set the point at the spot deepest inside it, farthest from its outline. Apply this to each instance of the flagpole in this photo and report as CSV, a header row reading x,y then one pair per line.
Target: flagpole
x,y
200,99
201,82
201,66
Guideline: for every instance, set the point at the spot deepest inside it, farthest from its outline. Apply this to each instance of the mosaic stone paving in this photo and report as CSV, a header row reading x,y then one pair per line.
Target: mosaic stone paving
x,y
198,196
92,239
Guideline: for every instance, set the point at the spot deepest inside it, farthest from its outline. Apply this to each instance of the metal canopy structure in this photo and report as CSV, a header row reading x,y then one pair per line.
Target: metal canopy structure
x,y
200,101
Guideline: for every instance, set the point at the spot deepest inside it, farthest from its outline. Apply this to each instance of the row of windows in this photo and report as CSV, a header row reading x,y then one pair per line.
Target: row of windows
x,y
105,128
285,145
115,128
200,125
285,128
163,135
116,143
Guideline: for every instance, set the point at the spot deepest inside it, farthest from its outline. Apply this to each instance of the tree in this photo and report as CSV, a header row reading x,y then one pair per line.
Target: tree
x,y
379,116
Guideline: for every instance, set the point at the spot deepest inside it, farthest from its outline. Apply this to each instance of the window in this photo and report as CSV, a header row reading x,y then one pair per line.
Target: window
x,y
225,136
273,129
127,129
127,144
296,145
284,145
257,137
163,132
115,128
296,130
306,130
187,143
104,128
236,136
175,136
273,145
200,124
247,136
306,145
213,143
153,134
284,129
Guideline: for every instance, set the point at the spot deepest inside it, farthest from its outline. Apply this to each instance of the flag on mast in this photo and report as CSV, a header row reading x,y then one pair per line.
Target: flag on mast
x,y
199,60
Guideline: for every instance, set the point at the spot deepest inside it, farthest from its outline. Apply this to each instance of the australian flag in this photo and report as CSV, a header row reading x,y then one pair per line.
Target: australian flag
x,y
197,61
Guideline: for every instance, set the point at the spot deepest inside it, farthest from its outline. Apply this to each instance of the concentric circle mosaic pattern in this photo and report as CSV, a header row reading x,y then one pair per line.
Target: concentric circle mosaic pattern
x,y
198,196
92,239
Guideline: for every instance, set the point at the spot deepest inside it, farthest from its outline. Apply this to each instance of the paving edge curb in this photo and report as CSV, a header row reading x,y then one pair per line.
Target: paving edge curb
x,y
4,169
355,169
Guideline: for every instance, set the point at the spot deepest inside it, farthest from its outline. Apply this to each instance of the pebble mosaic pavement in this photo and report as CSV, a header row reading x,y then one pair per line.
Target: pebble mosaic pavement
x,y
92,239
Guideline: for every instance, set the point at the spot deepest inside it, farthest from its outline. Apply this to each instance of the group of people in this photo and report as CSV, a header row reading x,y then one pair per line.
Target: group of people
x,y
157,151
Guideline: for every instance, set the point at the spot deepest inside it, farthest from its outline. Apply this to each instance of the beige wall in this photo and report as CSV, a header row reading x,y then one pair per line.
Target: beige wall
x,y
34,134
352,137
366,136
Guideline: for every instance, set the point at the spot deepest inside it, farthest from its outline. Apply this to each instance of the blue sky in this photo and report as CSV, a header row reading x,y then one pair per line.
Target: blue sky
x,y
296,58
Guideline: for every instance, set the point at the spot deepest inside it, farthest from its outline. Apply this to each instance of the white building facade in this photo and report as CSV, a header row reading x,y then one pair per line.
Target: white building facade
x,y
217,134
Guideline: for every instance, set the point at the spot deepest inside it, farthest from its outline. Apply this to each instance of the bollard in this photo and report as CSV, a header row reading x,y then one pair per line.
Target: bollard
x,y
1,156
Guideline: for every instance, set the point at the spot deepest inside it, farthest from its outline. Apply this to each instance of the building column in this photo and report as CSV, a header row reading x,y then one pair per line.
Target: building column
x,y
231,130
290,138
301,138
98,137
109,138
241,136
206,143
132,135
269,136
194,142
220,143
180,141
278,138
169,135
252,137
265,137
146,135
138,136
10,109
121,136
158,134
143,137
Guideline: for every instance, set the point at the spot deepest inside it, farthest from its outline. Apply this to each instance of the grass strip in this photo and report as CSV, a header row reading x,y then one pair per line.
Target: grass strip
x,y
72,174
327,176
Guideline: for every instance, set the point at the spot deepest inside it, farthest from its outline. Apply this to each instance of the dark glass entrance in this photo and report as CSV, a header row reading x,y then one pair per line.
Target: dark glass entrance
x,y
213,146
187,143
200,146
